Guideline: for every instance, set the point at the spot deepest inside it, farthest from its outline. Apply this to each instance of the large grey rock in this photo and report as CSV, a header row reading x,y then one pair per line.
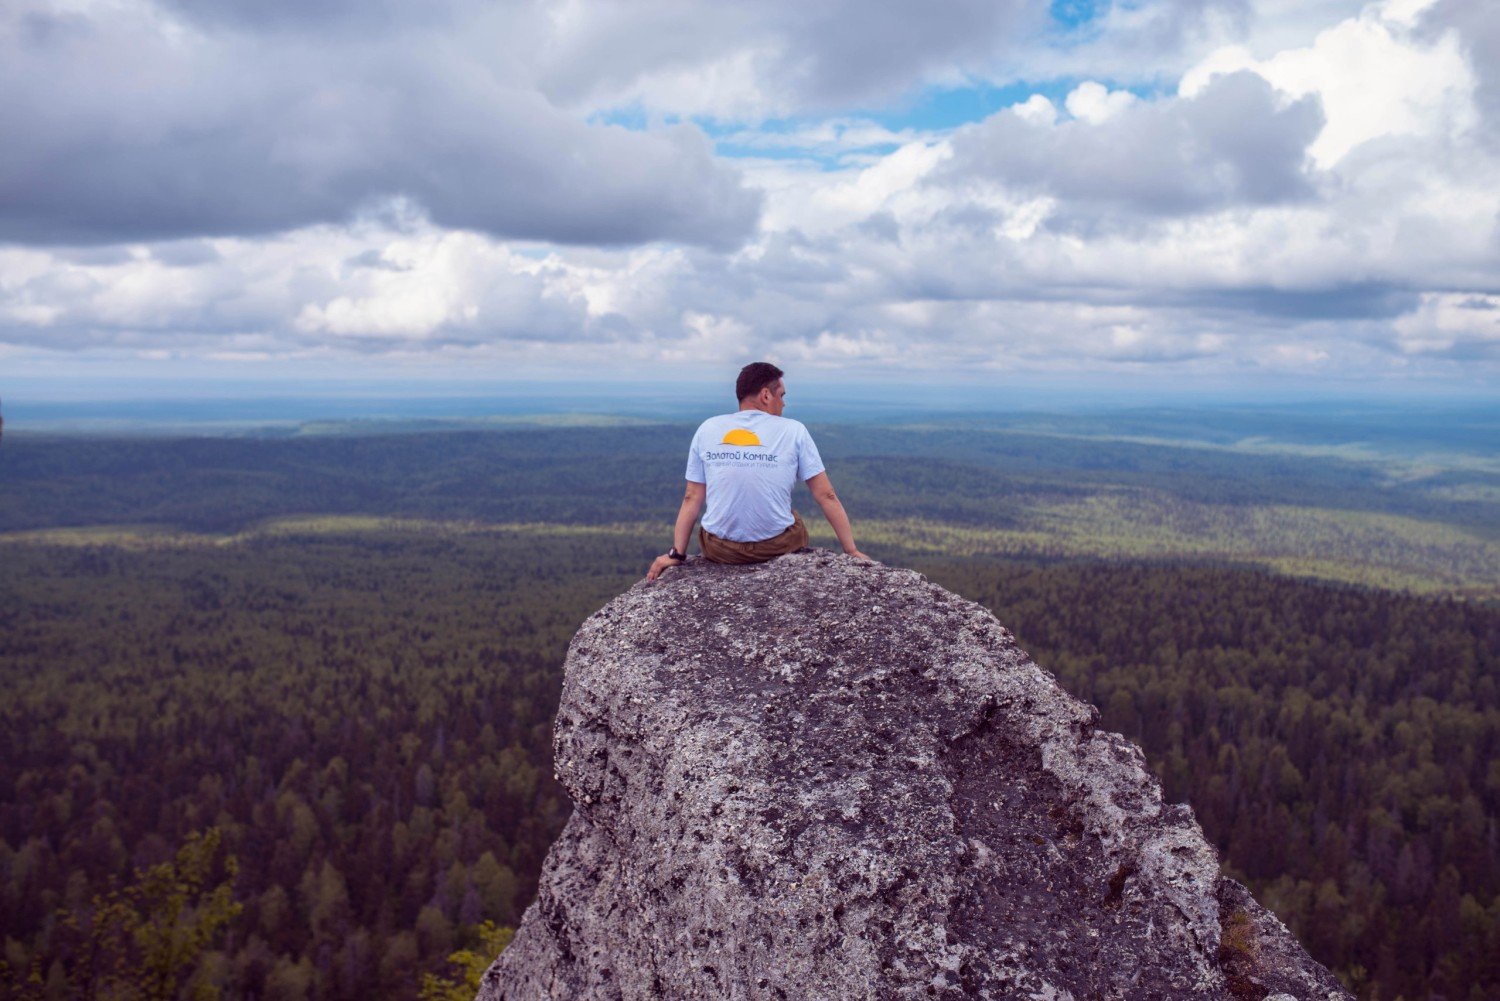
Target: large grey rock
x,y
823,778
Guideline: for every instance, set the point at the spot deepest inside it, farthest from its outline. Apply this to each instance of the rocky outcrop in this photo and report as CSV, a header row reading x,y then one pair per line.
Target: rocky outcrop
x,y
824,778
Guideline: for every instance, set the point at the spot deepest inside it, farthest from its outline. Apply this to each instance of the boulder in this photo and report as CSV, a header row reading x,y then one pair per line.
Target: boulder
x,y
823,778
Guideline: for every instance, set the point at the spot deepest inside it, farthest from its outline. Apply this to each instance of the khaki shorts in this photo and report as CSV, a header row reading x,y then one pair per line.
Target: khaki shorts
x,y
725,551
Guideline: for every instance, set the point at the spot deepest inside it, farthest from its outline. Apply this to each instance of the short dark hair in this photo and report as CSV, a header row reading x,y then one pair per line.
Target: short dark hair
x,y
754,377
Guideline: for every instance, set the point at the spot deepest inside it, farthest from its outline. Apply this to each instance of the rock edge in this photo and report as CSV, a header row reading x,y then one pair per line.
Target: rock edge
x,y
825,778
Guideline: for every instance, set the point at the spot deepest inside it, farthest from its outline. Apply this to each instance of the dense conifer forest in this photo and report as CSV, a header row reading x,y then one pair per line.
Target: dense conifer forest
x,y
341,725
366,719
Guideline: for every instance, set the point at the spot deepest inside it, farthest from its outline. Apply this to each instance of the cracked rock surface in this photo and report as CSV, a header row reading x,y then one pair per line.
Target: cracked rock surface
x,y
823,778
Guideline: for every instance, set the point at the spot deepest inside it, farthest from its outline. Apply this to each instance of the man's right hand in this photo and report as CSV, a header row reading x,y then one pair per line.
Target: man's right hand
x,y
659,564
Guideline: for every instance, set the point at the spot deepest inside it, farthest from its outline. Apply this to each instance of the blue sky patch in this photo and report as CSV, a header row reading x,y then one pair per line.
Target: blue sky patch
x,y
929,110
1076,13
933,110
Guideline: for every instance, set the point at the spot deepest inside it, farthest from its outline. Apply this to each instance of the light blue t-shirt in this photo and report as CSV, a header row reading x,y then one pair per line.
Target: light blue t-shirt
x,y
750,462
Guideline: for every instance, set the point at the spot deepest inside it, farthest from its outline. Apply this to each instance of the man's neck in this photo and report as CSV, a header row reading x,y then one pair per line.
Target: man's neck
x,y
752,406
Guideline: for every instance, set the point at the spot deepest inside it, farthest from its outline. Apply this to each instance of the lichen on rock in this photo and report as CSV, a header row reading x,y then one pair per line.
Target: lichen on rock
x,y
824,778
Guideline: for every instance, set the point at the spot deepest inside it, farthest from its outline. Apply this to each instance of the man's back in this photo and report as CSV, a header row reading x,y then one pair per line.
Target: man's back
x,y
750,461
740,473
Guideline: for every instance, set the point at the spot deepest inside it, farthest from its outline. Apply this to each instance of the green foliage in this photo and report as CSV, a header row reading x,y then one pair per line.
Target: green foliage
x,y
366,718
139,942
1237,940
176,915
463,983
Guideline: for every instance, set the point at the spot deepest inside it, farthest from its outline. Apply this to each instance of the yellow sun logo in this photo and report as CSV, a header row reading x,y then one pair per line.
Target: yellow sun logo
x,y
739,436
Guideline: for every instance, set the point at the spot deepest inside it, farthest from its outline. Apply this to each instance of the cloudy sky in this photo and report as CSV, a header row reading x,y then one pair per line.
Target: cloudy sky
x,y
1167,190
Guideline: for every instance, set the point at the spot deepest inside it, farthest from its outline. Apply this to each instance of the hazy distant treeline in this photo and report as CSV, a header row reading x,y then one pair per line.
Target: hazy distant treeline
x,y
601,475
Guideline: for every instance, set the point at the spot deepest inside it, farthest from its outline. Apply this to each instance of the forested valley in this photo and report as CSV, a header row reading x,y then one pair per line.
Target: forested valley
x,y
368,721
357,712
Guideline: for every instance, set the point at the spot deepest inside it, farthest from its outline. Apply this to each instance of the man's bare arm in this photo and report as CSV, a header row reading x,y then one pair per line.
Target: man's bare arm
x,y
833,510
687,515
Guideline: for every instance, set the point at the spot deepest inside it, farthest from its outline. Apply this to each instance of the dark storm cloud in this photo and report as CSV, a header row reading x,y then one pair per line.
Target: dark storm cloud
x,y
116,129
1232,144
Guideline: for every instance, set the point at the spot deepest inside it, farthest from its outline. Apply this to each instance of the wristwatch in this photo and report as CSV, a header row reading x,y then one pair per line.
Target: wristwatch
x,y
673,554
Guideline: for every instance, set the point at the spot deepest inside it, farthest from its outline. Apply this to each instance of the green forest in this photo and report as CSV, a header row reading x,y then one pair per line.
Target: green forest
x,y
303,700
367,721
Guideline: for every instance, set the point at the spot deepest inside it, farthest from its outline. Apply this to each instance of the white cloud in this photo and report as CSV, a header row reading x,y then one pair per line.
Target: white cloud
x,y
709,336
1095,103
135,122
1036,110
1373,76
1234,141
1465,326
1317,199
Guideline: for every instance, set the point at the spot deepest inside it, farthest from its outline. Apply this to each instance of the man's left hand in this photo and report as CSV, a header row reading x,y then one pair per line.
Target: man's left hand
x,y
659,564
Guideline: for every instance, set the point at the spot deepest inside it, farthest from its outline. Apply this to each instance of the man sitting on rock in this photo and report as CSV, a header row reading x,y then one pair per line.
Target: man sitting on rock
x,y
740,473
